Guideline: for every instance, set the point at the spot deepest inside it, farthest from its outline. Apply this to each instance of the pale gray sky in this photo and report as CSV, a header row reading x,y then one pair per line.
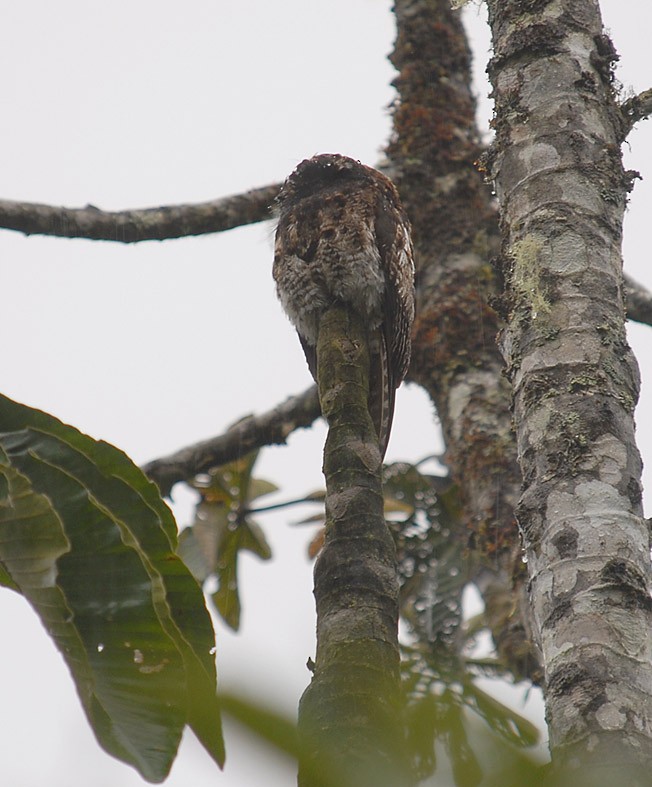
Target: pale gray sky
x,y
155,346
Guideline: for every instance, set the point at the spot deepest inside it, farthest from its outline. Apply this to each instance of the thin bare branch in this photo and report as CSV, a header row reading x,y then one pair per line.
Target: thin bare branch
x,y
638,302
253,431
637,108
133,226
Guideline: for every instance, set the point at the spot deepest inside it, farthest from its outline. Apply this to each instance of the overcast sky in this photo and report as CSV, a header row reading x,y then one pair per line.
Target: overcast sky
x,y
155,346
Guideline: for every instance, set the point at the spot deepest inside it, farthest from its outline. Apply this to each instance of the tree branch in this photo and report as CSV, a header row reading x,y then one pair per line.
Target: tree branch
x,y
133,226
350,713
634,109
253,431
454,354
638,301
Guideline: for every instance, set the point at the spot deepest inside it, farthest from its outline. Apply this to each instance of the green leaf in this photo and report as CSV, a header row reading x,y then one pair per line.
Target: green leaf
x,y
404,485
91,545
439,688
253,539
222,529
466,769
227,603
271,726
193,555
6,581
502,719
432,566
259,487
245,535
318,496
421,729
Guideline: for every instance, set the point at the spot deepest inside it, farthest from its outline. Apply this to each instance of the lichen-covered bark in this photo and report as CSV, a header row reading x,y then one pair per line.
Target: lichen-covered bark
x,y
455,358
349,716
559,177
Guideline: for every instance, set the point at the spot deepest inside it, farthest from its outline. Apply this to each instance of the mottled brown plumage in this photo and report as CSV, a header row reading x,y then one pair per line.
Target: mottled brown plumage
x,y
343,237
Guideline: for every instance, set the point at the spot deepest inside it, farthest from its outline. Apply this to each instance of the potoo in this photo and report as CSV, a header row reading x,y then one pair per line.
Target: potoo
x,y
343,237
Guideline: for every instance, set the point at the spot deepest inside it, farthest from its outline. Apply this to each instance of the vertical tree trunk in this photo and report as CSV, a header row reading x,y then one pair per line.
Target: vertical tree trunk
x,y
349,716
454,354
559,177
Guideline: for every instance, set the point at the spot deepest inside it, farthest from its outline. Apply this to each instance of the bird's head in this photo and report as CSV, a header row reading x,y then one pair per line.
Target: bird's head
x,y
321,172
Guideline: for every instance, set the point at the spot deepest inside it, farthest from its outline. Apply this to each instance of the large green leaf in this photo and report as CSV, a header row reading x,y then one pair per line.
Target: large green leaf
x,y
86,538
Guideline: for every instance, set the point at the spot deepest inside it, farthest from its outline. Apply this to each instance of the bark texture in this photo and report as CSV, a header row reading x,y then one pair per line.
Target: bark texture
x,y
133,226
455,358
557,167
249,433
349,716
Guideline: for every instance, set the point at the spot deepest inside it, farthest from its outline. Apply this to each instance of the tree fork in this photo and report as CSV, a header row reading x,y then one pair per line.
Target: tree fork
x,y
349,716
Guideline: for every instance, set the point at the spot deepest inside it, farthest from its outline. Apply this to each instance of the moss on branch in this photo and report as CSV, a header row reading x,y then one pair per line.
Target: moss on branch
x,y
350,714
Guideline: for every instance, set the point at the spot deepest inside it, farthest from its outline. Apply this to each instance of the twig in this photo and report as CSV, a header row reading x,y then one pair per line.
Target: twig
x,y
254,431
133,226
286,504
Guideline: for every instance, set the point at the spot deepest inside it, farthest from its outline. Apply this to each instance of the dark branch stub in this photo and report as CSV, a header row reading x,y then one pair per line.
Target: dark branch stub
x,y
635,109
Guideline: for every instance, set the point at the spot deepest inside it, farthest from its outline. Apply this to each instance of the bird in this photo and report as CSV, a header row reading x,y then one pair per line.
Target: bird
x,y
343,237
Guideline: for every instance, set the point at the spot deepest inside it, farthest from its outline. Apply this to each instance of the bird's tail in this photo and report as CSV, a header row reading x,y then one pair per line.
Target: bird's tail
x,y
381,391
